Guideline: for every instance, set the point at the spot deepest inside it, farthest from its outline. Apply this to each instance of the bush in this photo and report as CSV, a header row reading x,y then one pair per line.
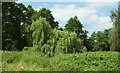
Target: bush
x,y
84,49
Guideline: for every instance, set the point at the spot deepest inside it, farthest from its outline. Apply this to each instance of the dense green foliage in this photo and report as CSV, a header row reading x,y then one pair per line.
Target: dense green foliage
x,y
16,26
100,41
74,25
112,37
115,16
46,13
35,61
90,61
49,41
11,29
18,34
41,31
67,42
26,26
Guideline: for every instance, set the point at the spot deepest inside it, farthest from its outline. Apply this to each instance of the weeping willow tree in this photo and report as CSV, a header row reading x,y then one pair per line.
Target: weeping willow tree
x,y
67,42
50,41
61,42
115,34
41,32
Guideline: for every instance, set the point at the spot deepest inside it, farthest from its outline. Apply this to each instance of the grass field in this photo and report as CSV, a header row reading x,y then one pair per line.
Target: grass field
x,y
34,61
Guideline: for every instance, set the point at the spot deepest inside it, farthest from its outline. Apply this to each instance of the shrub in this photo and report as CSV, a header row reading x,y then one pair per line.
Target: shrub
x,y
84,49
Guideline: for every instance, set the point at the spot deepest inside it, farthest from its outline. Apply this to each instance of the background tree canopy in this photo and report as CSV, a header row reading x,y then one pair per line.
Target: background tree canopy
x,y
11,25
40,30
115,17
74,25
46,13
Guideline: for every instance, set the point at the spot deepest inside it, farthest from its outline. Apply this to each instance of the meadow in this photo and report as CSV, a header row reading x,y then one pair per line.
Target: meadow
x,y
35,61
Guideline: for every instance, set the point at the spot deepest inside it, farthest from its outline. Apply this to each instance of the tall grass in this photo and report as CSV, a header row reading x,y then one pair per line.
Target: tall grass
x,y
35,61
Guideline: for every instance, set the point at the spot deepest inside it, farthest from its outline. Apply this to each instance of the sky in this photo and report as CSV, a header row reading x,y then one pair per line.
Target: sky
x,y
95,16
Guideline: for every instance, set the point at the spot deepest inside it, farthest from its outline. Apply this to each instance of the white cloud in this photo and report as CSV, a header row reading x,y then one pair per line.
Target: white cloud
x,y
100,24
96,5
45,4
64,12
93,18
103,22
87,14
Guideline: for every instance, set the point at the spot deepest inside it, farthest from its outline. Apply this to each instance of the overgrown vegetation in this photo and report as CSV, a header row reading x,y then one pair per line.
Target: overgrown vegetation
x,y
34,61
50,41
34,41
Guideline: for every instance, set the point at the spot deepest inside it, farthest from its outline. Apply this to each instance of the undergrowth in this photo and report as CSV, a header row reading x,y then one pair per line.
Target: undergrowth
x,y
35,61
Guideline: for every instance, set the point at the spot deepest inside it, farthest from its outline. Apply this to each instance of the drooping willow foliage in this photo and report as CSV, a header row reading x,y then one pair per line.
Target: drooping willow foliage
x,y
50,41
41,31
67,42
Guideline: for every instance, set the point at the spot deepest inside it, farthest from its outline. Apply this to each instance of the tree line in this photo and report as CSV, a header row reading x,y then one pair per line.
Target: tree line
x,y
24,27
